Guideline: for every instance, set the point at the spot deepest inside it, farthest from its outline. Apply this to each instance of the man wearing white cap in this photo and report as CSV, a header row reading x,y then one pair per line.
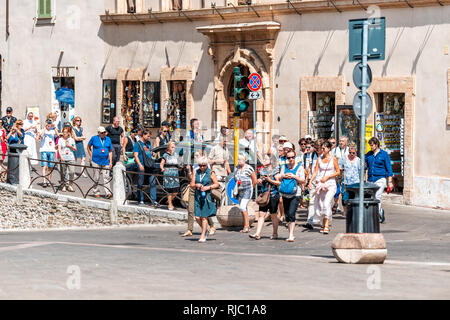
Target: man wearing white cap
x,y
100,152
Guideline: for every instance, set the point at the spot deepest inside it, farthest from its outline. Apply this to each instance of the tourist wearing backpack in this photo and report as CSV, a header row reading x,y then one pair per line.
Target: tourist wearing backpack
x,y
292,176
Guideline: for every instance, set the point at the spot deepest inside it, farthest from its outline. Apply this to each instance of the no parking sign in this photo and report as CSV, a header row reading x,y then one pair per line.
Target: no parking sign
x,y
254,82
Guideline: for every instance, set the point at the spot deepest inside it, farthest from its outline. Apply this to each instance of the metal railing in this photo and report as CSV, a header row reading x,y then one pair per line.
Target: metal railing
x,y
156,181
85,181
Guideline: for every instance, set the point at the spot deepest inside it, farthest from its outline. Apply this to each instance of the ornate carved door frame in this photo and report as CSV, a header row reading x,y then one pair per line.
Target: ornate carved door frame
x,y
250,45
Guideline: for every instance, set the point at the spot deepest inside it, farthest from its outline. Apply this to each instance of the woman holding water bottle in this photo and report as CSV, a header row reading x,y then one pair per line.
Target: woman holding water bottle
x,y
203,181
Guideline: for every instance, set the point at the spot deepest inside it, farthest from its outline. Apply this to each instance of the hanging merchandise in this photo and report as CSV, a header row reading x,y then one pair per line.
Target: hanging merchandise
x,y
150,105
389,127
321,119
176,109
131,104
108,102
347,124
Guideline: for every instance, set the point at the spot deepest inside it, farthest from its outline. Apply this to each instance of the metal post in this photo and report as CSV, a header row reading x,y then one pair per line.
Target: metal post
x,y
363,123
254,137
236,139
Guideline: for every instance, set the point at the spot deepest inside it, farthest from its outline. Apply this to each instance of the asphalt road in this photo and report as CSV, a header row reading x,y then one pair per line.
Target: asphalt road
x,y
154,262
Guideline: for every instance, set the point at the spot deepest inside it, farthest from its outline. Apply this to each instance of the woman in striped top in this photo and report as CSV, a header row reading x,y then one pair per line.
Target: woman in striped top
x,y
245,177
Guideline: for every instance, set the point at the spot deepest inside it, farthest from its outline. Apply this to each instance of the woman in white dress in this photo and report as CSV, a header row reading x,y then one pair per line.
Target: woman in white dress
x,y
31,135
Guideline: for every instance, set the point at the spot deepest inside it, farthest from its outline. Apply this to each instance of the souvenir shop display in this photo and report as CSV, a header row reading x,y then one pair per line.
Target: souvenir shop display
x,y
347,124
151,110
131,104
321,120
176,105
389,127
108,102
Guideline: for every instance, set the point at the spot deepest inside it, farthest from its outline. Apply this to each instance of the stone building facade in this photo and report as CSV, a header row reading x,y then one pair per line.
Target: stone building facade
x,y
156,59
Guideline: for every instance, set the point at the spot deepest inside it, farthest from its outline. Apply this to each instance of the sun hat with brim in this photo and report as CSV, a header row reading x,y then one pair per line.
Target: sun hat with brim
x,y
101,129
288,145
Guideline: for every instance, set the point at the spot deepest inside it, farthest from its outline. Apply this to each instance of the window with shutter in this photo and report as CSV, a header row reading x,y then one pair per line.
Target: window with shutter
x,y
44,8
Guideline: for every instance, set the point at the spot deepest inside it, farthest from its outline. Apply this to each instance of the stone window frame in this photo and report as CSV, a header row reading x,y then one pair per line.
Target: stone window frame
x,y
310,84
185,73
405,85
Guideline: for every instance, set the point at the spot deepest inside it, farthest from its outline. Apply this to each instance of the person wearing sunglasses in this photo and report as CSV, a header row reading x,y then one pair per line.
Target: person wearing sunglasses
x,y
116,133
80,153
326,171
100,151
378,165
292,177
351,167
163,137
203,181
315,153
245,177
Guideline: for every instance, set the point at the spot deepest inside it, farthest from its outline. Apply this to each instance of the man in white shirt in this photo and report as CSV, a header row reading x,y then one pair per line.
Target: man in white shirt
x,y
248,146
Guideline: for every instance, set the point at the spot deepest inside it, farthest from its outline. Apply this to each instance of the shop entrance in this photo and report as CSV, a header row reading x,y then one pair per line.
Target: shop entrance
x,y
389,129
63,100
131,104
246,118
322,115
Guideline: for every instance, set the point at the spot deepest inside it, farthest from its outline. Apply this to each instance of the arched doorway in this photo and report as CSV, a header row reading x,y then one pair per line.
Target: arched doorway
x,y
246,118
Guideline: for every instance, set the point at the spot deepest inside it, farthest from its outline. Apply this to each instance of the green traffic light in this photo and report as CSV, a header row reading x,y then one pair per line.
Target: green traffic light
x,y
241,92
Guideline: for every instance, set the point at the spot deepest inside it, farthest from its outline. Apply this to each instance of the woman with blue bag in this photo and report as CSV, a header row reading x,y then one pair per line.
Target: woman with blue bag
x,y
292,176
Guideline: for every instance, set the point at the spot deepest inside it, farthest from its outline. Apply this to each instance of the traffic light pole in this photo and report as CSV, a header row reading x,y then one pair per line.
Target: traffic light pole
x,y
364,85
236,139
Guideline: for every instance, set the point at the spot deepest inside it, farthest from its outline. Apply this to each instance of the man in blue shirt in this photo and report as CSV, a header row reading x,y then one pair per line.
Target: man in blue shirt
x,y
141,146
100,151
378,165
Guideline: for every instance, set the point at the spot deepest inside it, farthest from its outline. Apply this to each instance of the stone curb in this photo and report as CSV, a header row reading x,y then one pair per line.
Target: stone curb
x,y
97,204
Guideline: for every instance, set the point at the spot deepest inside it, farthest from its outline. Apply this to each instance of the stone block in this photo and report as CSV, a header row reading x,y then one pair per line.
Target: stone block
x,y
231,216
360,256
359,248
359,241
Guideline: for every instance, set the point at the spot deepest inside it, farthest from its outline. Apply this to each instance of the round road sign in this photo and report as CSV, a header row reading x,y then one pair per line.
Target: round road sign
x,y
254,82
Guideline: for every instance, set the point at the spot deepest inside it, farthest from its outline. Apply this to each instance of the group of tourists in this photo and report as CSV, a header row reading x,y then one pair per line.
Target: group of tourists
x,y
314,178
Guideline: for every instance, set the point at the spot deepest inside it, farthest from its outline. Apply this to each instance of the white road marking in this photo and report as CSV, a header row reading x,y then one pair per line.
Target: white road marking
x,y
24,246
248,254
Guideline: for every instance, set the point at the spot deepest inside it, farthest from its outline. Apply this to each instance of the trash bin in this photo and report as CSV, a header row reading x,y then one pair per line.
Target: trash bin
x,y
371,220
14,151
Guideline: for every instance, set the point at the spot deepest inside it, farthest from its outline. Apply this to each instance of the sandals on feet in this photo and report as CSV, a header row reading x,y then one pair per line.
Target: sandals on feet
x,y
254,236
290,239
187,234
274,236
245,230
212,231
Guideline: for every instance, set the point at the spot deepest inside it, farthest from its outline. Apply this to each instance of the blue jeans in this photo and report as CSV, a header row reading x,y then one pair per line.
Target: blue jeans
x,y
151,181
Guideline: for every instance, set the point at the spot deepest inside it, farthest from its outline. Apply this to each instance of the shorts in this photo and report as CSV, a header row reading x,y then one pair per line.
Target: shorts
x,y
290,207
272,206
47,156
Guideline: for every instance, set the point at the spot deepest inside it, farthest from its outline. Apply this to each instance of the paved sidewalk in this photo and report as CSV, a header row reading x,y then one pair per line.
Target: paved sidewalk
x,y
154,262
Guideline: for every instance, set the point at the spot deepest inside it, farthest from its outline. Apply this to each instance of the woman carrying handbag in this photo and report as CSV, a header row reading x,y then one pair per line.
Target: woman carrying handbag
x,y
268,200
